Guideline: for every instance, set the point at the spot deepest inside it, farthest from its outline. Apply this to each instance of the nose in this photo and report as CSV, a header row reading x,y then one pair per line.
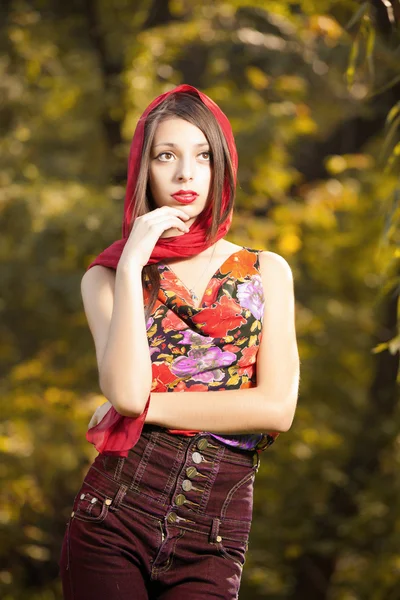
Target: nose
x,y
185,169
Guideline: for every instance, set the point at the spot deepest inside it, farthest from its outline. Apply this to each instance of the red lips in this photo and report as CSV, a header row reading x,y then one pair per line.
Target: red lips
x,y
185,196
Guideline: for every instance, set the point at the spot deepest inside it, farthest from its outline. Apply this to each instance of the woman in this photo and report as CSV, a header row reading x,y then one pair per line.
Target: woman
x,y
165,509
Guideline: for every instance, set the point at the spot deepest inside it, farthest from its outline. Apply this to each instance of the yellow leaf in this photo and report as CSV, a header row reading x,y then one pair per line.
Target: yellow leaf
x,y
253,340
233,380
152,330
168,357
255,325
176,351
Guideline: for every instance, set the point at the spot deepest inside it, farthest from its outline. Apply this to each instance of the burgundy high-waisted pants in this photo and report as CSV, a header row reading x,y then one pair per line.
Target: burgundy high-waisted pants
x,y
170,521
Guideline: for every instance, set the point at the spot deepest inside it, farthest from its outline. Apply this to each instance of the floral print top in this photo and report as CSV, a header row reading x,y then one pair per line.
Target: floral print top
x,y
214,346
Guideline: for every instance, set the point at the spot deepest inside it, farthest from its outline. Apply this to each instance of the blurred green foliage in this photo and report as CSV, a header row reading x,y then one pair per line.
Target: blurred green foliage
x,y
312,90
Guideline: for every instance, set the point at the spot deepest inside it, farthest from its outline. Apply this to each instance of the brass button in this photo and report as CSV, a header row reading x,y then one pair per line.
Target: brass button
x,y
197,457
191,472
172,517
187,485
108,502
72,514
82,496
219,538
93,500
202,444
180,499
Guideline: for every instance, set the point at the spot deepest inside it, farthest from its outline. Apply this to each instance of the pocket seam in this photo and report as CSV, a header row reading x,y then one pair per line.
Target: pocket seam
x,y
82,515
224,552
233,490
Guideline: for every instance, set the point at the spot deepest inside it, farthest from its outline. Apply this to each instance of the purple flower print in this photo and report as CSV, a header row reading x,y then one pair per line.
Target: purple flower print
x,y
208,376
200,361
149,323
192,338
251,296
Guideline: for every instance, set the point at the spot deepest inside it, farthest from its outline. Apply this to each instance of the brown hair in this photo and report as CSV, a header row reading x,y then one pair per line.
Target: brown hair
x,y
188,106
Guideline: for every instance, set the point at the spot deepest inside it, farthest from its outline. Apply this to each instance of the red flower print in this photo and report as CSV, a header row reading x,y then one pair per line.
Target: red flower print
x,y
162,376
171,278
198,387
245,371
171,322
223,317
213,288
240,267
246,384
180,387
231,348
170,281
249,354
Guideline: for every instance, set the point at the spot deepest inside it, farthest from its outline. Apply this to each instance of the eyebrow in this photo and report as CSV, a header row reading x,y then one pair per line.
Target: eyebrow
x,y
175,145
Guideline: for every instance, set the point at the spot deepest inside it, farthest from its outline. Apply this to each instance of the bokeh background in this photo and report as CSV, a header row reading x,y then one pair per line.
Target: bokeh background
x,y
312,89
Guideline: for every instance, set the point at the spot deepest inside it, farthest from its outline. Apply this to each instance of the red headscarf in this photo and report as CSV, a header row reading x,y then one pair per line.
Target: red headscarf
x,y
183,245
116,434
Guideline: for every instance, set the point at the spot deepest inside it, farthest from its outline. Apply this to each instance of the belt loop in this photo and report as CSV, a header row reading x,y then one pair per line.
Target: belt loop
x,y
256,461
119,467
119,496
215,530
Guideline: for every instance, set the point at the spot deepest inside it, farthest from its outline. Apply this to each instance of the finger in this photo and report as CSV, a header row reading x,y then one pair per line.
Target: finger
x,y
167,210
168,222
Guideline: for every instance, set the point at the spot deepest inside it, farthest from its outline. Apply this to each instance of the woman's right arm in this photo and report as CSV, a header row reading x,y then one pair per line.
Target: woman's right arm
x,y
113,302
114,308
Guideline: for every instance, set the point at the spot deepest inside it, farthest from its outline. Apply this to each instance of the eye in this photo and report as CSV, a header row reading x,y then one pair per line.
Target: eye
x,y
168,154
208,154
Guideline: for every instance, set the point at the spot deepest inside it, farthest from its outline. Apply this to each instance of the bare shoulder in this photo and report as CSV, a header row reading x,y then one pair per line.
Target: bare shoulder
x,y
97,289
97,278
277,279
274,266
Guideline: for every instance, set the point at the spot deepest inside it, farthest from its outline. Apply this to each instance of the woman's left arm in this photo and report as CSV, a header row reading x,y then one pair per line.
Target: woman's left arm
x,y
270,406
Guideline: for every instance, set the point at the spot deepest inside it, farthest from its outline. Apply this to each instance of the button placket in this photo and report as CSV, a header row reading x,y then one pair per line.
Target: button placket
x,y
197,458
173,518
194,491
202,444
192,472
187,485
181,499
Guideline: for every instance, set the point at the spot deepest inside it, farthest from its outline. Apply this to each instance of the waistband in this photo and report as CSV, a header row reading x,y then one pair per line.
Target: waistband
x,y
209,449
115,496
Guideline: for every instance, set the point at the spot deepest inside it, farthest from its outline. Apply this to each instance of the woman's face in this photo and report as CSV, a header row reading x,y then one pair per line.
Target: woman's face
x,y
180,159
